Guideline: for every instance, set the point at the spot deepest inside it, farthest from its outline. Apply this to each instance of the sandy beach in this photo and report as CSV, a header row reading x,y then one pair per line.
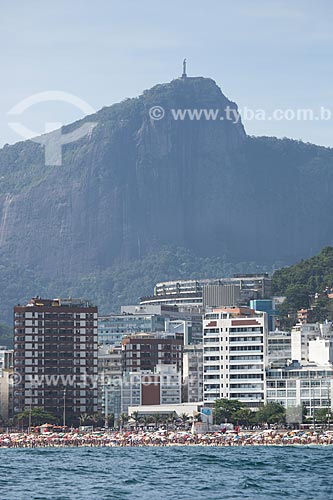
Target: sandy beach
x,y
164,438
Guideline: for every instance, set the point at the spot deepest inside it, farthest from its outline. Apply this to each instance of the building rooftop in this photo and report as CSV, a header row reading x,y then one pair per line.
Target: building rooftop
x,y
58,302
236,312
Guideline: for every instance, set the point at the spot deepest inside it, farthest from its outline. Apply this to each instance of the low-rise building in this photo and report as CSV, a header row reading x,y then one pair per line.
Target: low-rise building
x,y
159,387
179,409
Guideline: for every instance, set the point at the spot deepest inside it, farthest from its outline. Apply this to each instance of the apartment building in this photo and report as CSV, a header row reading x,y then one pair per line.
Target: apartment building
x,y
143,352
110,379
235,349
193,373
55,356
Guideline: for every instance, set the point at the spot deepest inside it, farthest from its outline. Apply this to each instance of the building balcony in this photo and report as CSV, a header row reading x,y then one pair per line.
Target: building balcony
x,y
237,352
246,390
246,381
212,363
244,343
246,361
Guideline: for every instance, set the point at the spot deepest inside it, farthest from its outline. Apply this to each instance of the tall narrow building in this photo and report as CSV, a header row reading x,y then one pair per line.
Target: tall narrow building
x,y
235,345
55,357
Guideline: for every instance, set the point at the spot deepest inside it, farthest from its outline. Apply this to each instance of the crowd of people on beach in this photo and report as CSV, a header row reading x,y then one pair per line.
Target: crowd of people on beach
x,y
163,438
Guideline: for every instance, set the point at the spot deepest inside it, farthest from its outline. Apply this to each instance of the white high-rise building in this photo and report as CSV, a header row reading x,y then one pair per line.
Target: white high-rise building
x,y
234,340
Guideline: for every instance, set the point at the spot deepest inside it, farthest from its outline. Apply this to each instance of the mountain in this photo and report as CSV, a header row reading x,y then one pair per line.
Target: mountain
x,y
135,187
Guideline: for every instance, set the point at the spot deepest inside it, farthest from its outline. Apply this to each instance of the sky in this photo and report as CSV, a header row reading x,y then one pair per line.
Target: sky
x,y
264,54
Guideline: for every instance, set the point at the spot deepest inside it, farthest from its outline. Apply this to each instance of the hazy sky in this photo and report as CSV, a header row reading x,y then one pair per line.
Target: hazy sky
x,y
264,54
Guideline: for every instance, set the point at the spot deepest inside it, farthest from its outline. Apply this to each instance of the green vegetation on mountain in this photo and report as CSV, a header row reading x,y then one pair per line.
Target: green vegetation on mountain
x,y
118,285
6,335
306,285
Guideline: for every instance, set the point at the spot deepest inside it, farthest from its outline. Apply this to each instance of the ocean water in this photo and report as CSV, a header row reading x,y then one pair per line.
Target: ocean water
x,y
175,473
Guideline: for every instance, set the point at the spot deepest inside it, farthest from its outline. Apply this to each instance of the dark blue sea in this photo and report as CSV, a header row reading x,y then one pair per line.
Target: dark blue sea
x,y
178,473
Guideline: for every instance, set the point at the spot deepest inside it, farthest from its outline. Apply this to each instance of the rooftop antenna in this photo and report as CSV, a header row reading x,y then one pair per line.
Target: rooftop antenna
x,y
184,75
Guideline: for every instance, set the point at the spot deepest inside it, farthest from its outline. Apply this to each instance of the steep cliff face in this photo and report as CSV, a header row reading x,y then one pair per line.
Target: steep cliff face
x,y
136,184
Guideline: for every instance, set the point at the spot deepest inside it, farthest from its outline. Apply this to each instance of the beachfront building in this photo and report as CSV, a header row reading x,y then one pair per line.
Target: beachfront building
x,y
193,373
300,369
55,356
234,355
110,379
152,367
178,409
6,387
162,386
298,384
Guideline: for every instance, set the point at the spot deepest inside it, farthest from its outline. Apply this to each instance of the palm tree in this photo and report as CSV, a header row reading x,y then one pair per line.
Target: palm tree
x,y
136,416
150,419
171,419
146,420
157,419
123,419
38,416
111,421
184,417
84,418
166,420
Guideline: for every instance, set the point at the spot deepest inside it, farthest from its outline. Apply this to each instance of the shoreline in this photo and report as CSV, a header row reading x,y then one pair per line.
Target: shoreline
x,y
169,445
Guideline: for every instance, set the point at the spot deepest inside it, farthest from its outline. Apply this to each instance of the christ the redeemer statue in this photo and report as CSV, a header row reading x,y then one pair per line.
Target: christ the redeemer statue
x,y
184,75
